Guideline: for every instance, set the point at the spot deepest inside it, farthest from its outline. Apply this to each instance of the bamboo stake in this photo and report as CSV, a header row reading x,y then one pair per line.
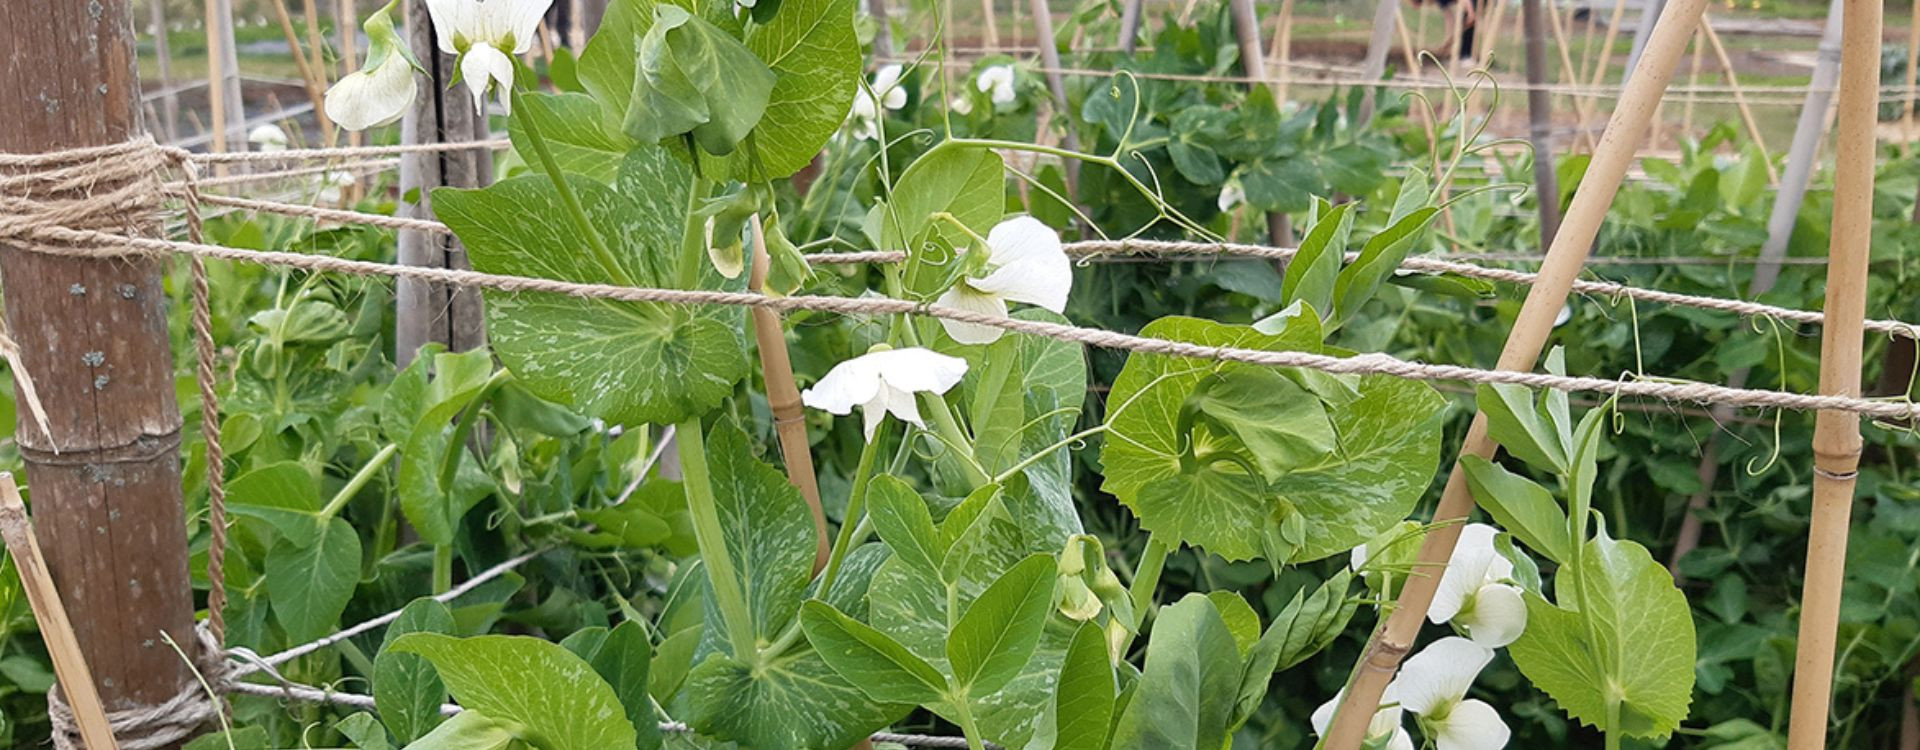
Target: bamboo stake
x,y
1540,121
1599,74
69,664
1488,42
347,18
1693,84
1375,65
1913,68
216,83
992,25
163,58
783,398
1564,261
1739,96
1050,57
1129,25
1283,50
310,80
1801,158
1836,435
1246,31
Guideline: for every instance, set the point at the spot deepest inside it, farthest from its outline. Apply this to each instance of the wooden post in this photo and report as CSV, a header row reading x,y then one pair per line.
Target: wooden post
x,y
1913,75
1050,58
1801,156
163,60
1129,25
1540,121
93,336
69,664
1836,435
1246,31
783,399
1375,65
1565,260
431,313
1739,96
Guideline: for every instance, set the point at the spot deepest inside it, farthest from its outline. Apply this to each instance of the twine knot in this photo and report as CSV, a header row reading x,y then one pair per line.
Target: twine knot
x,y
168,723
64,197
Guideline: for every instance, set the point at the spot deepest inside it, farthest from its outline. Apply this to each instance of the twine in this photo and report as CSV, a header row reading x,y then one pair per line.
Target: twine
x,y
161,725
204,355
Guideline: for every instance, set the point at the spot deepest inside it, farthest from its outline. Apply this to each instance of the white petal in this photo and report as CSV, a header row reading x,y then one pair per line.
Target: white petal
x,y
863,106
482,65
365,99
1358,558
964,297
900,404
522,19
1029,264
269,137
451,18
1401,740
870,416
1438,676
849,384
1471,725
895,98
1384,720
1498,616
961,105
918,370
1466,572
887,77
1323,715
1003,93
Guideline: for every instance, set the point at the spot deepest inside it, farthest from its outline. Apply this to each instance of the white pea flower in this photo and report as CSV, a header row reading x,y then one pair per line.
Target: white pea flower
x,y
1025,263
887,94
998,82
1385,724
961,105
383,88
484,34
268,138
883,381
1476,592
1433,685
1231,195
333,185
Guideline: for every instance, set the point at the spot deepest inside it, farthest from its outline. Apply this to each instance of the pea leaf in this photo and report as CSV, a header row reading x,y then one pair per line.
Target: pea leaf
x,y
795,700
902,520
767,529
1389,448
1519,426
1277,421
468,730
696,78
814,54
623,658
556,698
1642,645
1185,696
997,633
406,688
1378,259
309,584
1308,624
1315,268
1521,507
883,669
969,183
1083,704
576,135
284,496
626,363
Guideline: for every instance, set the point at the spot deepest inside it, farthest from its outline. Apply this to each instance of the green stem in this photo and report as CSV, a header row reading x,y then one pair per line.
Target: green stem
x,y
463,427
1146,579
358,482
570,201
693,235
964,712
707,533
1613,723
1041,454
856,507
948,428
442,568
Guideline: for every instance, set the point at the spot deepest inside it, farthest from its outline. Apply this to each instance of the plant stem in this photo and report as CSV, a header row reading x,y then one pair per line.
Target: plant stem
x,y
964,710
707,533
693,236
567,198
463,427
1613,723
1047,451
1146,578
856,507
949,430
442,568
359,481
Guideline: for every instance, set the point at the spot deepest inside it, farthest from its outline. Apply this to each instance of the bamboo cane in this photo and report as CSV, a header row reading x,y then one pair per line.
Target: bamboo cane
x,y
69,664
1283,50
312,82
783,398
1540,121
1375,64
1490,41
992,26
1246,32
1739,96
347,18
1693,84
1913,75
1050,57
1801,158
216,83
1598,76
1564,261
163,58
1836,435
1129,25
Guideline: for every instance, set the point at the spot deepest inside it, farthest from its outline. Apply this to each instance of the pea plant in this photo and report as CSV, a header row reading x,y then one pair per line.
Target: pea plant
x,y
960,589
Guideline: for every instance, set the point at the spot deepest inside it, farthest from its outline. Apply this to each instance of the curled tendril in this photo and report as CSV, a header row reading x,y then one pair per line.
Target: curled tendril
x,y
1755,466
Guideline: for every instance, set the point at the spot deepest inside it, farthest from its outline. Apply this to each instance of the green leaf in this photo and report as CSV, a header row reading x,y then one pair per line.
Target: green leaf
x,y
1521,507
1084,701
969,183
815,57
469,730
1315,268
882,668
1379,258
626,363
1240,618
1518,425
793,700
406,688
633,524
610,61
284,496
1642,648
1309,623
241,738
361,729
1389,449
558,699
696,78
1185,696
624,658
576,135
1000,630
1276,420
767,529
902,520
309,584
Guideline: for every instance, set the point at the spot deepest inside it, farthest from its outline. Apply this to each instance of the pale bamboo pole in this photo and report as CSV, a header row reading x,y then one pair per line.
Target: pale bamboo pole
x,y
63,647
1283,50
1540,120
1739,96
216,81
1564,261
313,82
1129,24
1836,435
1598,76
1649,10
1693,85
1246,32
1057,85
347,18
1802,156
783,399
1913,70
1375,64
991,23
1487,43
163,58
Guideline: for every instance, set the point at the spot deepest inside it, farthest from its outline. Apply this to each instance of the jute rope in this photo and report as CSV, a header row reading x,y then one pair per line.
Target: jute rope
x,y
165,724
1186,251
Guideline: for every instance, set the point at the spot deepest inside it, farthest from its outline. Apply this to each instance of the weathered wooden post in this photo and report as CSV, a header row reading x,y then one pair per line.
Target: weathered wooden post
x,y
1246,32
1540,125
430,313
93,337
1385,15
